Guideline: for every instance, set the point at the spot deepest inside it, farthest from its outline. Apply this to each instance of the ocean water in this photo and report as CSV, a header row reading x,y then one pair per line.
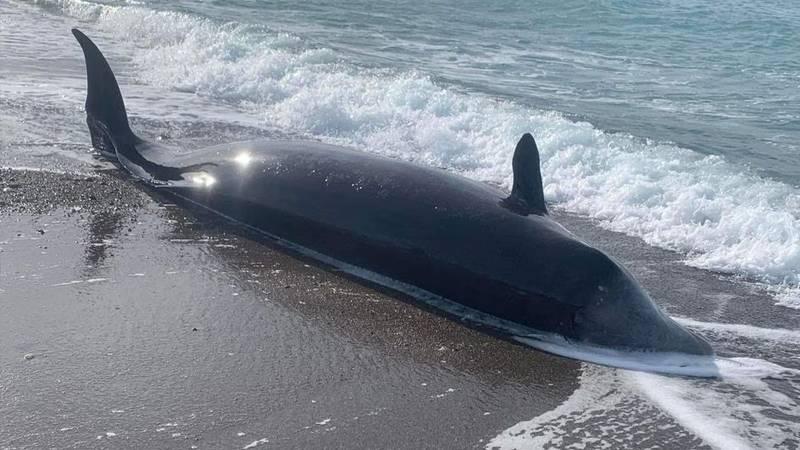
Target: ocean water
x,y
674,122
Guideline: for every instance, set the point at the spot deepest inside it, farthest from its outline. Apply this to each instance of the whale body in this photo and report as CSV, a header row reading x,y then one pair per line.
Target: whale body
x,y
434,232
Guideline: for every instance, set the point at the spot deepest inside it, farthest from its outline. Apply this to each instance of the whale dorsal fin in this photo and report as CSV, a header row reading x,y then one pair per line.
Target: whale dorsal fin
x,y
527,194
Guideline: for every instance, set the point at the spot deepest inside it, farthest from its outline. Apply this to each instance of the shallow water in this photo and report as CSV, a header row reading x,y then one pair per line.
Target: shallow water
x,y
671,123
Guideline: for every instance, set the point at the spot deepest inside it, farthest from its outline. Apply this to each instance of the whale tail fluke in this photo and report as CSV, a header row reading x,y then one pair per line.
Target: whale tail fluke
x,y
105,109
108,122
527,193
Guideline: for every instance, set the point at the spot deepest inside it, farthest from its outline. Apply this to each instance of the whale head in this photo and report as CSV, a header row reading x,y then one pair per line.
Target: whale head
x,y
618,313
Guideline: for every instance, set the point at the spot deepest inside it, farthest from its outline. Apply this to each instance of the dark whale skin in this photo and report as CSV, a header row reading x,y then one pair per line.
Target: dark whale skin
x,y
440,232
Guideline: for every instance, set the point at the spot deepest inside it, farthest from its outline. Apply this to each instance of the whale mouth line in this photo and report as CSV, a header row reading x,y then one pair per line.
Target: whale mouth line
x,y
660,362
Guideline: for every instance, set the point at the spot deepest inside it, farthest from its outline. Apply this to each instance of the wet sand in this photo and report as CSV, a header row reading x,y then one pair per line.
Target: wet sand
x,y
131,323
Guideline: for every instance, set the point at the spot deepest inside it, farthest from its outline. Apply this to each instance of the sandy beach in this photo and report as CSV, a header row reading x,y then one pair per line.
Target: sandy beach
x,y
131,323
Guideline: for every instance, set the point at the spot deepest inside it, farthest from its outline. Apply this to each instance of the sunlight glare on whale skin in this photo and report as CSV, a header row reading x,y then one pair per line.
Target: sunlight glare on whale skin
x,y
243,159
203,180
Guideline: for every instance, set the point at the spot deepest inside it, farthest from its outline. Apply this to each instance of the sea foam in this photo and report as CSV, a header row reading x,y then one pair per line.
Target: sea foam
x,y
741,410
720,216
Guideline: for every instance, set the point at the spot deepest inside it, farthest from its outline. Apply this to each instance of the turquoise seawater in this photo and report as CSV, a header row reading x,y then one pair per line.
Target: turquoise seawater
x,y
715,77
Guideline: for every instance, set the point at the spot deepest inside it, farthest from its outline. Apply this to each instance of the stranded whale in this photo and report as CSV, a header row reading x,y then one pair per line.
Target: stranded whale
x,y
420,230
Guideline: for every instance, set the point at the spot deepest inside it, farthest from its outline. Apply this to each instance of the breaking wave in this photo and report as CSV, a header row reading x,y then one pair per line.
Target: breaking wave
x,y
720,216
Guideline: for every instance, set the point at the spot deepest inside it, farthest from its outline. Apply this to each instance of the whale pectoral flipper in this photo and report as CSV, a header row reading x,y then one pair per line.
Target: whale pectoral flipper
x,y
527,193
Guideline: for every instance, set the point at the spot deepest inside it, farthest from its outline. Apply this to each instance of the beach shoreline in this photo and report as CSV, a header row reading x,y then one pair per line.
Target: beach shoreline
x,y
130,322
